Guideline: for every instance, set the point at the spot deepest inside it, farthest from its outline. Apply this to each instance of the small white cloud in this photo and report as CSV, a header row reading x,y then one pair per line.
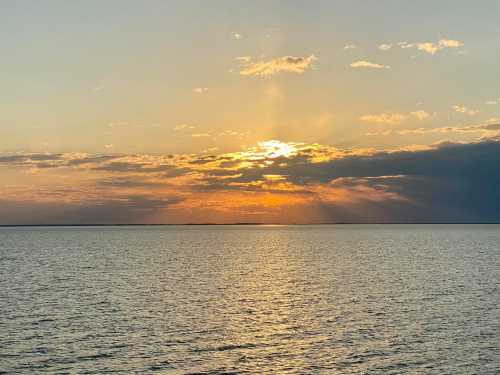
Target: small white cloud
x,y
200,90
350,46
405,45
108,146
385,47
368,64
492,102
236,35
465,110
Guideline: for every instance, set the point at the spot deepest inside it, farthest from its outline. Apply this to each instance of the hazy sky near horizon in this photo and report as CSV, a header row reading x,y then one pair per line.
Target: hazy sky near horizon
x,y
174,111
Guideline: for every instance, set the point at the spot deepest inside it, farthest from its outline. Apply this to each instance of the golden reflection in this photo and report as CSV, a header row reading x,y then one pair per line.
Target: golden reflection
x,y
268,313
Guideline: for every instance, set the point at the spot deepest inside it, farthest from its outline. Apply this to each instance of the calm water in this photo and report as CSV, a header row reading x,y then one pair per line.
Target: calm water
x,y
250,300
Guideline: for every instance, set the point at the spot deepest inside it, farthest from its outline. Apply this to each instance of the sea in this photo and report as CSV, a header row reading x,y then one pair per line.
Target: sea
x,y
250,299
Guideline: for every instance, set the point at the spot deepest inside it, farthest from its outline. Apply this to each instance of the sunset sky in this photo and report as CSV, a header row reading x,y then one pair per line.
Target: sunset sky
x,y
249,111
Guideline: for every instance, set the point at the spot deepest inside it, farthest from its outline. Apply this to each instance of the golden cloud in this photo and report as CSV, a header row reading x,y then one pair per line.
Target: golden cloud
x,y
289,64
368,64
384,118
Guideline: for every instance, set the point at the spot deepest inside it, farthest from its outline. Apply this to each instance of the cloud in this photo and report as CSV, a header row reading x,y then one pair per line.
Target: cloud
x,y
367,64
200,135
465,110
450,43
405,45
233,133
236,35
200,90
428,47
432,47
244,59
183,127
283,181
487,130
384,118
289,64
385,47
421,115
393,118
350,46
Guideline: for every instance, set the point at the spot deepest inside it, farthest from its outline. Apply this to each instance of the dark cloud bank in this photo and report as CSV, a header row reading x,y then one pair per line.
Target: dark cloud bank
x,y
454,183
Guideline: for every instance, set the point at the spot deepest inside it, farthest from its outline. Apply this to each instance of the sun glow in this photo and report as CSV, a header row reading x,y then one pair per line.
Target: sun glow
x,y
269,150
275,149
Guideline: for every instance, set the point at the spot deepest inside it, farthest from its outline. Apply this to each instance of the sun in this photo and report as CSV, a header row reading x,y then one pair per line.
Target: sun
x,y
275,149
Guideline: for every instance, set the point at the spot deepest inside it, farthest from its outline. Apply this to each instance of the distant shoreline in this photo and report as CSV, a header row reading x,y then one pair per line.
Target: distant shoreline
x,y
237,224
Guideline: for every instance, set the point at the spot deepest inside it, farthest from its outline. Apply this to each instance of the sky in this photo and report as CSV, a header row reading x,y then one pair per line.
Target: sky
x,y
249,111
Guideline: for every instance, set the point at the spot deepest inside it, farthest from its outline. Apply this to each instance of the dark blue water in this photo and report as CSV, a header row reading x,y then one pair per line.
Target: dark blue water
x,y
250,300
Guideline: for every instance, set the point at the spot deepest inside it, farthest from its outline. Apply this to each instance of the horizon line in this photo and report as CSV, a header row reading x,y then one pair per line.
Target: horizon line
x,y
247,224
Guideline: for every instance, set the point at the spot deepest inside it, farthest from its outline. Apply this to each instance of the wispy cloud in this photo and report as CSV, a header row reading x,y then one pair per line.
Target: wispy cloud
x,y
432,47
465,110
350,46
487,130
233,133
405,45
183,127
384,118
368,64
394,118
200,135
288,64
450,43
421,115
200,90
385,47
429,47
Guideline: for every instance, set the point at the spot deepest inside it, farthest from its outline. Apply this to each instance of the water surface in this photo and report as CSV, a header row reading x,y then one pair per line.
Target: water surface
x,y
343,299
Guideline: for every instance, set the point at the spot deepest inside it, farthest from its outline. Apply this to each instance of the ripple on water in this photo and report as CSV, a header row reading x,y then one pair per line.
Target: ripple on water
x,y
250,300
